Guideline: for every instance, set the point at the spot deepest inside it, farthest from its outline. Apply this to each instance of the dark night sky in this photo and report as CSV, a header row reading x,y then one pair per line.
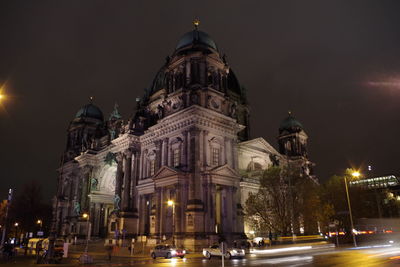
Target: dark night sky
x,y
335,64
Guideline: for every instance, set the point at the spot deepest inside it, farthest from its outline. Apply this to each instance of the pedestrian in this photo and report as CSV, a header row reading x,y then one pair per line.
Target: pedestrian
x,y
109,249
270,238
38,251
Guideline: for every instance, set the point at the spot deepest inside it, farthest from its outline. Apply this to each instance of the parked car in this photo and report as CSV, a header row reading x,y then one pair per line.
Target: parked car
x,y
32,243
230,252
167,252
58,249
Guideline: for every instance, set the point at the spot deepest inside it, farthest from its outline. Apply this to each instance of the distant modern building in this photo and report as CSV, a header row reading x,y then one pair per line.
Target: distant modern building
x,y
188,143
382,182
384,192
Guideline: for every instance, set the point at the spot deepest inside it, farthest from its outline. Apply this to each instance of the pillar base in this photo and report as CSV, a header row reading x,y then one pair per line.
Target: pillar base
x,y
128,221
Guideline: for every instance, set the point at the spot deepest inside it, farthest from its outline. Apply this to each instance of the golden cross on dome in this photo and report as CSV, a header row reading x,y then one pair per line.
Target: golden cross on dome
x,y
196,23
91,99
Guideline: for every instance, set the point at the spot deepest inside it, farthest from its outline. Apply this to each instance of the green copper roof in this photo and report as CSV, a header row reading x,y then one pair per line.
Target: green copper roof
x,y
290,124
196,37
90,111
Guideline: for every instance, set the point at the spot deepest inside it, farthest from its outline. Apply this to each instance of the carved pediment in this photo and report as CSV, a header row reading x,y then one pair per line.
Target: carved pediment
x,y
164,172
259,143
224,170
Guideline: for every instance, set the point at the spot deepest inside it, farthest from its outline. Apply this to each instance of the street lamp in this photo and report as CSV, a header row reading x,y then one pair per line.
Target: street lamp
x,y
85,258
86,217
171,203
40,223
354,174
16,232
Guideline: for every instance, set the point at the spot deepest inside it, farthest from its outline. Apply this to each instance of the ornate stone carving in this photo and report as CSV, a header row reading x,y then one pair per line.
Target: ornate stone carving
x,y
110,158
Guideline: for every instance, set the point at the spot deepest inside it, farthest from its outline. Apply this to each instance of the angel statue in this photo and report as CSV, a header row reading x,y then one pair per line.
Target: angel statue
x,y
117,200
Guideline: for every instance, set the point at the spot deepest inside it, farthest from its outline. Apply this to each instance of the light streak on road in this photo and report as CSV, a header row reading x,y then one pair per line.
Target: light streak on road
x,y
286,260
279,250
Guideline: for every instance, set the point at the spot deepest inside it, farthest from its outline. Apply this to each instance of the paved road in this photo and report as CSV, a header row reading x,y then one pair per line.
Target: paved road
x,y
369,256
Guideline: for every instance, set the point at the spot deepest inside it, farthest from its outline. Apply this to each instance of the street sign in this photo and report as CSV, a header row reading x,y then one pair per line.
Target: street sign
x,y
40,233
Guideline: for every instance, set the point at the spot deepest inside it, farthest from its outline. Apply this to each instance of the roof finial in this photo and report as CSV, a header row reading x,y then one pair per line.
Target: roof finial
x,y
289,112
196,23
91,99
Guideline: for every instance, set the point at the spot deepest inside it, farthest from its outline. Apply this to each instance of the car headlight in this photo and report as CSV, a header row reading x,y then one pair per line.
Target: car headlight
x,y
173,251
184,251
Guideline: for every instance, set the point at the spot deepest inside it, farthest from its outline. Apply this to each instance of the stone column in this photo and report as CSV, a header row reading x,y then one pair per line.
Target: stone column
x,y
134,180
227,145
178,208
164,152
211,207
194,158
206,162
234,154
158,210
127,162
142,211
85,188
229,209
185,149
158,145
119,177
161,217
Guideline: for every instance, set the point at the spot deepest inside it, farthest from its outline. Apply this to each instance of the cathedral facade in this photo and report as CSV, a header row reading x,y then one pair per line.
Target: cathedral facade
x,y
181,168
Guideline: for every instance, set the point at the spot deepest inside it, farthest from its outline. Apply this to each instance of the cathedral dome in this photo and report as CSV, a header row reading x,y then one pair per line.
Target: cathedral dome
x,y
290,124
196,37
158,82
90,111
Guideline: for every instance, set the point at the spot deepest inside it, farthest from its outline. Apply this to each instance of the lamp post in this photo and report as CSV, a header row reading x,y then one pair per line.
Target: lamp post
x,y
16,232
86,216
85,258
354,174
40,223
171,203
3,236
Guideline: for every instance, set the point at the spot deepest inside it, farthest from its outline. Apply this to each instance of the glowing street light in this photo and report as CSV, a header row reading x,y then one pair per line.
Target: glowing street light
x,y
171,203
86,216
2,95
354,174
16,232
85,258
40,222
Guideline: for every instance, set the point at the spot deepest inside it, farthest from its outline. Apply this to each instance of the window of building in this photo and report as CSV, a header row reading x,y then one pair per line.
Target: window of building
x,y
215,156
177,157
152,167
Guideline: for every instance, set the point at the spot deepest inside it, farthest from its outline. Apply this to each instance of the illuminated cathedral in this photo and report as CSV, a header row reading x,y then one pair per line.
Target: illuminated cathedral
x,y
181,168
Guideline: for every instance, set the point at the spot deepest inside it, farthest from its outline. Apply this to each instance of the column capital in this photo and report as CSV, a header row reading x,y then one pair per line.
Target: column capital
x,y
128,153
194,130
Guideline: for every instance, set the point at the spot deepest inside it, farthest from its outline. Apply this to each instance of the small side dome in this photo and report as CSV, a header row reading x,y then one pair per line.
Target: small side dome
x,y
90,111
290,125
196,37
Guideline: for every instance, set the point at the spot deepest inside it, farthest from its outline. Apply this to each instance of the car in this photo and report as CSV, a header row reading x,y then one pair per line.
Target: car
x,y
230,252
44,248
167,251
